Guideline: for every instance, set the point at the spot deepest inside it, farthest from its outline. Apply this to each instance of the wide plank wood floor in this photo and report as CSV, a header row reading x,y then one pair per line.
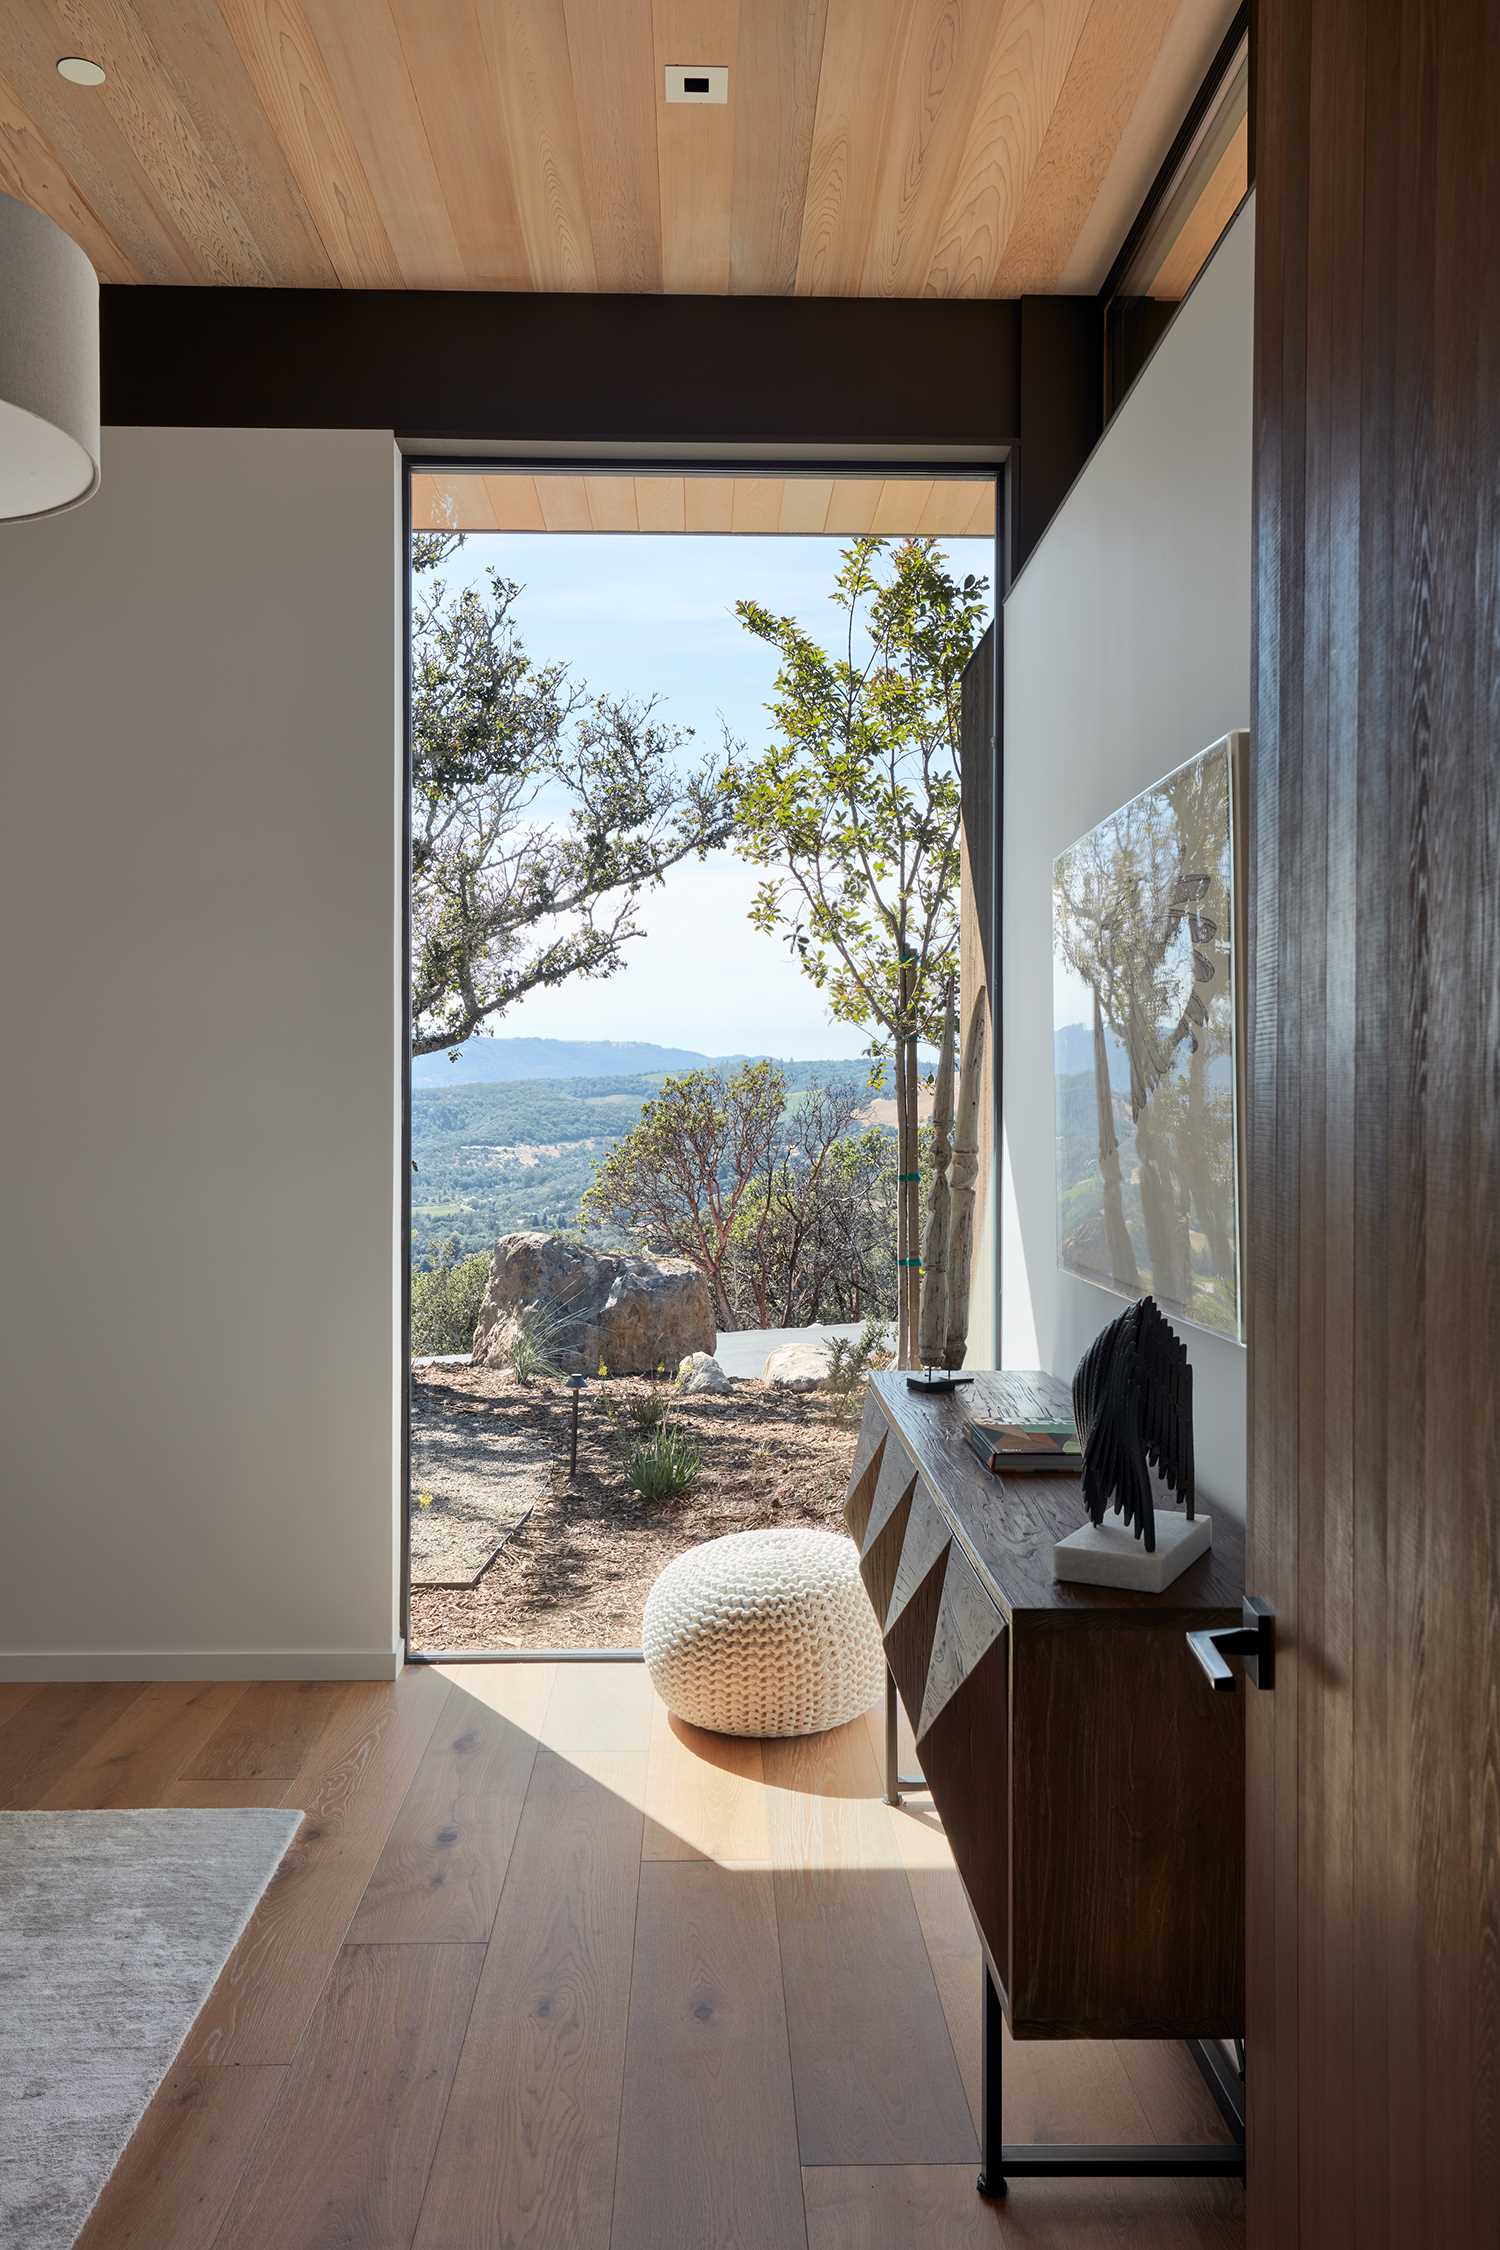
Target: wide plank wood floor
x,y
544,1968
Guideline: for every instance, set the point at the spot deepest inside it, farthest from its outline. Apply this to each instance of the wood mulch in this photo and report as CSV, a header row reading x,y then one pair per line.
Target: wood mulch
x,y
577,1571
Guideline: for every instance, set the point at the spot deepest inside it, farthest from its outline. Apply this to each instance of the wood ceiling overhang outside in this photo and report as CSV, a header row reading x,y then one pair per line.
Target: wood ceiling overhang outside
x,y
869,148
510,500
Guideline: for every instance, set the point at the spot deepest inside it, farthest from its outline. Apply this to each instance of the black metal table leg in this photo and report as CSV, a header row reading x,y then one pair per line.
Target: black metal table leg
x,y
1002,2161
895,1780
991,2135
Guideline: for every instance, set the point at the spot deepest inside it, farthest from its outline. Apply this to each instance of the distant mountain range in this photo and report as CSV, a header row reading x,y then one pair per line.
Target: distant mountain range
x,y
511,1062
499,1062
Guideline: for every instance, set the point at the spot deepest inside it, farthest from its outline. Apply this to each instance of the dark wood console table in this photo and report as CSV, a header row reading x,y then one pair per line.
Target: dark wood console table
x,y
1091,1786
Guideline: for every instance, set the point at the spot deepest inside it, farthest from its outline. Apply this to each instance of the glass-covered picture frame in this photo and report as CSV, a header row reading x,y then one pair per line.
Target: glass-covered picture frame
x,y
1146,1045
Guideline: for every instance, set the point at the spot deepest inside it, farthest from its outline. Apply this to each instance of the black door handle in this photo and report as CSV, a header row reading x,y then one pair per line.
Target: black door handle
x,y
1254,1638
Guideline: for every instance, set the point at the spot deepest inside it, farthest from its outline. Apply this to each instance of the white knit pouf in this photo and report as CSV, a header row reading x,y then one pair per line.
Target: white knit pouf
x,y
765,1632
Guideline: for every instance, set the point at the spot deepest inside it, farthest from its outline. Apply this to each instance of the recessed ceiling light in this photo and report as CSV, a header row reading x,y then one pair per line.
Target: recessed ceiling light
x,y
79,71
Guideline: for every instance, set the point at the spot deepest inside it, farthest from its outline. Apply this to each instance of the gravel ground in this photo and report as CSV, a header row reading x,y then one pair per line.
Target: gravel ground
x,y
575,1574
480,1478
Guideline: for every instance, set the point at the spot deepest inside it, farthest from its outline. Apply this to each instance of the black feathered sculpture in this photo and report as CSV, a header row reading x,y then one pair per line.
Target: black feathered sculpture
x,y
1133,1403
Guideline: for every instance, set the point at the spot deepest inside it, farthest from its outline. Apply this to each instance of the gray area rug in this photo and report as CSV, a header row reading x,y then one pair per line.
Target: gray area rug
x,y
482,1484
113,1928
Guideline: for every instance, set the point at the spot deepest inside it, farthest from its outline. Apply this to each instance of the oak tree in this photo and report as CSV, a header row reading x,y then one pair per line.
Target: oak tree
x,y
541,811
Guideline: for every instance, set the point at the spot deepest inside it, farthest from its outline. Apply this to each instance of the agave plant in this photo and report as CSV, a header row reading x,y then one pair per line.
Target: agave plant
x,y
665,1464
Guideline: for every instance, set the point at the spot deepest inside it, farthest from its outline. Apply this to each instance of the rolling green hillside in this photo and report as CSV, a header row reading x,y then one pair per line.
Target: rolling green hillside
x,y
498,1158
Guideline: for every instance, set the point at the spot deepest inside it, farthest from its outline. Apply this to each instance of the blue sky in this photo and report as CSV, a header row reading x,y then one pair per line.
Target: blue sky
x,y
641,615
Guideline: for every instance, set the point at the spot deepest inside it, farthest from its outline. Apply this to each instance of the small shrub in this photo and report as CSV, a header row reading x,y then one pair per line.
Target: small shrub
x,y
665,1464
535,1341
852,1362
647,1412
445,1303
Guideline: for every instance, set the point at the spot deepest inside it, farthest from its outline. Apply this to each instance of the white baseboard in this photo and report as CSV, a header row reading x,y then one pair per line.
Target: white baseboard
x,y
201,1664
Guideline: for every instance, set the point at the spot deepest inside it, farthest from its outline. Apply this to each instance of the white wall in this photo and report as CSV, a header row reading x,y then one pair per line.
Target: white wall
x,y
199,850
1127,650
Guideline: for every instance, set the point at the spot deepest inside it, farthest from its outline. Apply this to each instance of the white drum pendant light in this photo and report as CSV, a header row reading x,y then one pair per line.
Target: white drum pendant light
x,y
49,366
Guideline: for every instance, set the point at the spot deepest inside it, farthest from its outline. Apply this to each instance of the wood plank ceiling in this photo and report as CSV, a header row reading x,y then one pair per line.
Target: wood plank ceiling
x,y
943,507
883,148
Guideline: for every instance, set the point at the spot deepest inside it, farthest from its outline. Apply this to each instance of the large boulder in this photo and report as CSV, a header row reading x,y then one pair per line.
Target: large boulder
x,y
628,1313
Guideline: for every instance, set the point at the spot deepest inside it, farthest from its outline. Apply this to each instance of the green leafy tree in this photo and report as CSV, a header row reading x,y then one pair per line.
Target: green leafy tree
x,y
786,1208
853,810
681,1174
813,1238
540,812
445,1299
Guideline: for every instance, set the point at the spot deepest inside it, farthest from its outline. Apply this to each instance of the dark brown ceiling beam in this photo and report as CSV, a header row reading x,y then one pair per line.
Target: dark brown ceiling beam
x,y
459,366
1060,410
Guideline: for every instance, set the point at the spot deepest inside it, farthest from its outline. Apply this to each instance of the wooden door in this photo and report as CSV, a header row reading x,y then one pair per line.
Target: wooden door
x,y
1374,1243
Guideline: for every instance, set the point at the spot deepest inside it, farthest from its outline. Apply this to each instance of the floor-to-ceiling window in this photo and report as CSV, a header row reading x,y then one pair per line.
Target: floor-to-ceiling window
x,y
685,931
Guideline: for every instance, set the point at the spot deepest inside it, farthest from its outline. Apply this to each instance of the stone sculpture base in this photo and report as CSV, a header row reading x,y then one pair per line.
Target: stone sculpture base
x,y
1108,1555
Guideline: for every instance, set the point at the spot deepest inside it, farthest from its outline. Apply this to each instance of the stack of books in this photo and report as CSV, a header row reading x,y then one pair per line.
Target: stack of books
x,y
1027,1448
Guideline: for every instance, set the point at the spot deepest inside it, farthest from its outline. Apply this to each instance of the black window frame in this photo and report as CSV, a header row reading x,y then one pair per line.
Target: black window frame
x,y
416,462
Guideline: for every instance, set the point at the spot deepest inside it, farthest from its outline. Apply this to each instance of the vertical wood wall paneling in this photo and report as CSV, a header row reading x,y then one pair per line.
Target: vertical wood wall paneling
x,y
1326,1441
1379,1793
1374,1931
1271,1743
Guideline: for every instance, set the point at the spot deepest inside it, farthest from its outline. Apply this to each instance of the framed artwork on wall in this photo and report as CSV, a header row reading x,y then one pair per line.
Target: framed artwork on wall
x,y
1146,981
